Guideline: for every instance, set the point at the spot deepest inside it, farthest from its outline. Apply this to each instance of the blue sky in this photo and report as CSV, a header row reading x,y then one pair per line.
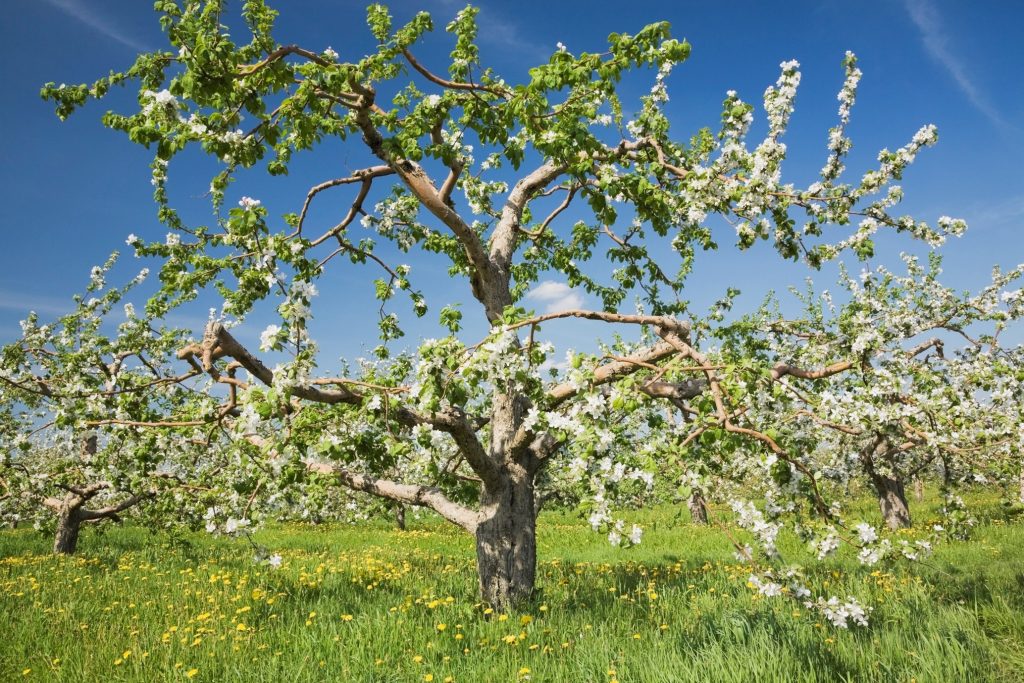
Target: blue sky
x,y
72,191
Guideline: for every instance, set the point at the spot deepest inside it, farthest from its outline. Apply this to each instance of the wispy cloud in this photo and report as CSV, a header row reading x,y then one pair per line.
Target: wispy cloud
x,y
557,296
937,43
1006,212
497,31
88,16
20,302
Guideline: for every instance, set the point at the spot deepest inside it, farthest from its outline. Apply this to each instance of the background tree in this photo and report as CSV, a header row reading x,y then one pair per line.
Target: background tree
x,y
83,401
477,423
919,381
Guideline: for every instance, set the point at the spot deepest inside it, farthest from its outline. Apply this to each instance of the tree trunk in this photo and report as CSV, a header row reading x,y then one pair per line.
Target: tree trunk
x,y
506,544
892,499
918,490
698,507
69,523
1022,482
400,516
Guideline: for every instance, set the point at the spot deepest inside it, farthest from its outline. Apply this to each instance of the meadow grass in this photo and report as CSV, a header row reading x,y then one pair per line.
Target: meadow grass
x,y
375,604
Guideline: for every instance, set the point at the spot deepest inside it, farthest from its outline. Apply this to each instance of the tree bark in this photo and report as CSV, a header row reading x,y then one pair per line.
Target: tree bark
x,y
698,507
400,516
1022,482
892,500
506,544
918,490
69,524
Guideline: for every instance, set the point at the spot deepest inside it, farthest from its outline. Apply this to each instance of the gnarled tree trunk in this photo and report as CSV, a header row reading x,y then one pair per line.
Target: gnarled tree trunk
x,y
506,543
400,516
892,500
69,524
698,507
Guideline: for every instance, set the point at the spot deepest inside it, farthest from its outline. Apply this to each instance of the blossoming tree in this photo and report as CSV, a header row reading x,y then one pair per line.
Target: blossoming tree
x,y
927,386
77,396
480,174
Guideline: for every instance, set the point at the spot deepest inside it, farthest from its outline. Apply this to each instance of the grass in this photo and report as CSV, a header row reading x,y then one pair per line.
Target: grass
x,y
375,604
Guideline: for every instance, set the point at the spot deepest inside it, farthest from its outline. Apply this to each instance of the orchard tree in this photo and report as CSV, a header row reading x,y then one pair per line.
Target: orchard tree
x,y
76,395
930,384
916,380
480,174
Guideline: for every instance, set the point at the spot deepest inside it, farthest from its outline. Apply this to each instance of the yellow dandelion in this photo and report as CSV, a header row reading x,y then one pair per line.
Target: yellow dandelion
x,y
191,673
240,627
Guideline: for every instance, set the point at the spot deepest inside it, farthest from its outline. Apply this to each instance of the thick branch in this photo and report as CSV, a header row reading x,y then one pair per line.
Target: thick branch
x,y
423,496
111,511
218,343
503,242
925,345
675,392
781,370
416,179
612,372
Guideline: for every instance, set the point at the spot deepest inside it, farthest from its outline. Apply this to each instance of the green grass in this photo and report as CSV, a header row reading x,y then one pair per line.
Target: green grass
x,y
366,604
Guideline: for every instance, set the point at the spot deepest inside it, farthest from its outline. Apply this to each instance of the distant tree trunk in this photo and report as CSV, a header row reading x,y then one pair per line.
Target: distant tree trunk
x,y
69,524
506,543
698,507
892,500
918,490
540,500
1022,482
400,516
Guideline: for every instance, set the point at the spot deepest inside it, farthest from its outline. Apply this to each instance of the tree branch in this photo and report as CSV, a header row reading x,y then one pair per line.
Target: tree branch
x,y
781,370
218,343
445,83
281,53
411,494
111,511
503,241
364,176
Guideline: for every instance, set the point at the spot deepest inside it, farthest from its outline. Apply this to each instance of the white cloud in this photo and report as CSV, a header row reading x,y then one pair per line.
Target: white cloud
x,y
940,48
557,296
79,11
